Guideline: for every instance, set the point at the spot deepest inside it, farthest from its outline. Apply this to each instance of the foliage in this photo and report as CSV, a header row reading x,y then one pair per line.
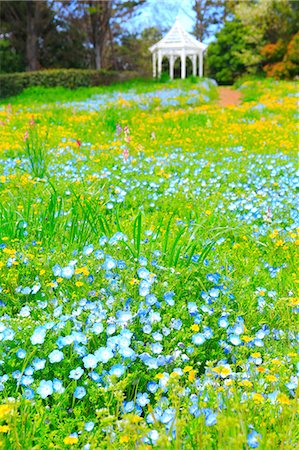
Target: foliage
x,y
10,60
209,15
281,60
13,84
224,62
270,27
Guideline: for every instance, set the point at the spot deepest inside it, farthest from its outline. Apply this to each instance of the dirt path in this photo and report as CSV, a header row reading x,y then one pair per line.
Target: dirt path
x,y
229,97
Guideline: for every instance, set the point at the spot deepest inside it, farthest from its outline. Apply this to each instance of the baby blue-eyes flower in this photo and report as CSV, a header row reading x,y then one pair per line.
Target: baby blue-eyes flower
x,y
90,361
26,290
38,336
80,392
234,339
87,250
211,419
152,387
56,270
253,439
198,339
45,388
55,356
89,426
58,386
67,272
192,308
144,288
103,354
153,436
128,406
21,353
142,399
223,322
28,393
77,373
97,328
143,273
156,348
118,370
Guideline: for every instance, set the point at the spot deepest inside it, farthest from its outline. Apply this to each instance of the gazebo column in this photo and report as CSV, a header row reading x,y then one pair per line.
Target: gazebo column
x,y
201,64
154,65
194,68
171,67
183,65
159,64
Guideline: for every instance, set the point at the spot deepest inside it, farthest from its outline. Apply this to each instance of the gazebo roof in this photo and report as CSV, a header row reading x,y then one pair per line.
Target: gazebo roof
x,y
178,38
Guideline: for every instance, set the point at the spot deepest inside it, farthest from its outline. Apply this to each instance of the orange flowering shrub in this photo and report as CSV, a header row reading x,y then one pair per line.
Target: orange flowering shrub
x,y
274,52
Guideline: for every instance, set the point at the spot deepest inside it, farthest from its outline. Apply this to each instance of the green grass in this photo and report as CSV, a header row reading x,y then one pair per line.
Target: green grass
x,y
206,197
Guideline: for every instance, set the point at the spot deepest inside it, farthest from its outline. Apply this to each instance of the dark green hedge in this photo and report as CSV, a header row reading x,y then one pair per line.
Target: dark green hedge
x,y
14,83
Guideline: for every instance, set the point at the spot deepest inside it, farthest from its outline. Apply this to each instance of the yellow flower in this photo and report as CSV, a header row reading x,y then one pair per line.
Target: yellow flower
x,y
283,399
194,327
124,439
245,383
258,398
159,376
191,376
271,378
174,375
82,270
79,283
4,428
187,369
5,410
69,440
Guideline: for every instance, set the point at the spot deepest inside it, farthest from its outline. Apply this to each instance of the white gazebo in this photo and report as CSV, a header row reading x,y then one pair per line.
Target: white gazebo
x,y
177,43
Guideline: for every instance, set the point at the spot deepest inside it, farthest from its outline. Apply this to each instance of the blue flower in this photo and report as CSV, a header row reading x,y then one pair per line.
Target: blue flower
x,y
118,370
211,419
38,336
77,373
67,272
55,356
21,353
28,393
90,361
142,399
89,426
103,354
80,392
45,388
253,439
234,339
223,322
58,386
198,339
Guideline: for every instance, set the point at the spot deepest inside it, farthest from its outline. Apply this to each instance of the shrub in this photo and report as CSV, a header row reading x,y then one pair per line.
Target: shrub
x,y
274,52
14,83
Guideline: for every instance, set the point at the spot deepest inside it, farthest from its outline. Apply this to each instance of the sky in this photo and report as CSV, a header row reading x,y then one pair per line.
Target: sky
x,y
163,13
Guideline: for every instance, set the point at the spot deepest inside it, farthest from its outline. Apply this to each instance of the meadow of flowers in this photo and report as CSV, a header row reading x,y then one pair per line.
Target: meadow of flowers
x,y
149,268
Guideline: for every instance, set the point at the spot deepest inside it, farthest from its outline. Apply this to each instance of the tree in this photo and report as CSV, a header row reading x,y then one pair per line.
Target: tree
x,y
208,13
267,22
223,61
132,52
26,24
